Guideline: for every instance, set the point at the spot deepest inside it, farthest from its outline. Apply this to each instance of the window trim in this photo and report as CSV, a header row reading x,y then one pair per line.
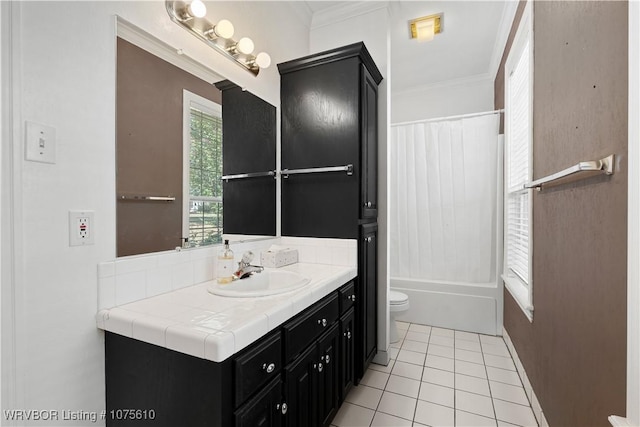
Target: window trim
x,y
521,292
189,100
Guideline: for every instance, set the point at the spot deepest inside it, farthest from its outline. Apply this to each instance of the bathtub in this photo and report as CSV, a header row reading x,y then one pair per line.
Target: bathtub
x,y
472,307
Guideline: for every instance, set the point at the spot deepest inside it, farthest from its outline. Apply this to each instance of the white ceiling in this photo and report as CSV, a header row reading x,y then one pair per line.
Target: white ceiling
x,y
468,47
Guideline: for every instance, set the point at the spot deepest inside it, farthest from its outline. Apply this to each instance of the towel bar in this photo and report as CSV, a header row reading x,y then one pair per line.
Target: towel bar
x,y
603,166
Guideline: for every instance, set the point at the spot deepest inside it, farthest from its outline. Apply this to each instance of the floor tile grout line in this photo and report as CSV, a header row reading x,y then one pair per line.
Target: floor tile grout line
x,y
493,406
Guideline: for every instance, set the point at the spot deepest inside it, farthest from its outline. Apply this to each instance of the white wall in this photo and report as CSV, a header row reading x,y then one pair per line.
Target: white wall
x,y
64,62
369,23
450,98
633,264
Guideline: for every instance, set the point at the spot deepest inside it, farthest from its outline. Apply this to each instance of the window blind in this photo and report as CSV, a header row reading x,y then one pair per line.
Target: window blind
x,y
518,170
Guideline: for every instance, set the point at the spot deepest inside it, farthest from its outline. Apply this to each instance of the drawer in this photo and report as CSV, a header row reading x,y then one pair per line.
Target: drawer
x,y
301,331
258,365
347,295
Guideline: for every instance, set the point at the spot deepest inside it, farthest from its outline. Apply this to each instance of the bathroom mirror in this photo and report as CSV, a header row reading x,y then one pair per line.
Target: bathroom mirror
x,y
169,186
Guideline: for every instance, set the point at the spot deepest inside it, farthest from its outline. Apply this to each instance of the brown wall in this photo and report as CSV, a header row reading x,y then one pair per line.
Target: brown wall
x,y
149,148
574,352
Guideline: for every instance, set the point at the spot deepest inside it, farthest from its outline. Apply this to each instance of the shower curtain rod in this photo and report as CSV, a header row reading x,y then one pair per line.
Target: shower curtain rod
x,y
439,119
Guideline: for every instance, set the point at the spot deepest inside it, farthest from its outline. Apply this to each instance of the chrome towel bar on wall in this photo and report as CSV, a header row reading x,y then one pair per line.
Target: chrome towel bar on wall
x,y
249,175
347,168
139,198
579,171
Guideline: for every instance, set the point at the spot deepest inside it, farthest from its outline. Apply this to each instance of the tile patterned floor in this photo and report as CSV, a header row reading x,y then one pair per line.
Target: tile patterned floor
x,y
439,377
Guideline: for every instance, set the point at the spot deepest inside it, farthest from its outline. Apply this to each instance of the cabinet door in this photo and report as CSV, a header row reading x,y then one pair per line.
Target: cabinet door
x,y
366,315
249,146
321,128
347,339
329,374
369,146
300,378
264,410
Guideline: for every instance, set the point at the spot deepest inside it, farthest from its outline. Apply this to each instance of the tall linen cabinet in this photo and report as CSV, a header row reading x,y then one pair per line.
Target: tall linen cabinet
x,y
329,166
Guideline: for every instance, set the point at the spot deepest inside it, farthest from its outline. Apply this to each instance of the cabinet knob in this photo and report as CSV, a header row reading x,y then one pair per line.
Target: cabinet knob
x,y
367,204
282,408
368,239
320,367
352,298
322,322
348,335
327,359
269,368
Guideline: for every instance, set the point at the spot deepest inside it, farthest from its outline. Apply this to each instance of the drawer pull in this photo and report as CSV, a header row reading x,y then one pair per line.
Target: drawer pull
x,y
327,359
367,204
320,367
352,298
348,335
269,368
282,408
322,322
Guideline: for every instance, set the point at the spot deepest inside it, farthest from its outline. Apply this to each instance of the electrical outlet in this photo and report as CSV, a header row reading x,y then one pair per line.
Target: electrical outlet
x,y
80,228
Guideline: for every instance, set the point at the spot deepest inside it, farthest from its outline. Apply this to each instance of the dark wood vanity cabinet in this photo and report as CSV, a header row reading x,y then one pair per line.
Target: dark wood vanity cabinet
x,y
329,119
297,375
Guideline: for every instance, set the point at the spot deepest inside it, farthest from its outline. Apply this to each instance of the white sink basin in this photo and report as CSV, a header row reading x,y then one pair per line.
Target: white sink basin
x,y
269,282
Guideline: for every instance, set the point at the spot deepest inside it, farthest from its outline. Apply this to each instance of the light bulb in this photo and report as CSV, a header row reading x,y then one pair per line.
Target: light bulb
x,y
425,30
197,9
263,60
245,45
224,29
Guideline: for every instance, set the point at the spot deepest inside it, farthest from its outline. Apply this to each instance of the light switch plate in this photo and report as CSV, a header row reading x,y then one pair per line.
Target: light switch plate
x,y
40,143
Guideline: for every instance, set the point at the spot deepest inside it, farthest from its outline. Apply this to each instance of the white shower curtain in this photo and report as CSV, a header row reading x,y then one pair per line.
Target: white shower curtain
x,y
443,200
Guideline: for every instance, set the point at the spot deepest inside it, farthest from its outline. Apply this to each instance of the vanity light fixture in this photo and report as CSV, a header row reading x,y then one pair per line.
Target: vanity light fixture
x,y
244,46
425,28
197,9
190,14
223,29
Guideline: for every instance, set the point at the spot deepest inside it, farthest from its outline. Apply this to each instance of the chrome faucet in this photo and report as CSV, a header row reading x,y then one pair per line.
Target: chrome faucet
x,y
245,269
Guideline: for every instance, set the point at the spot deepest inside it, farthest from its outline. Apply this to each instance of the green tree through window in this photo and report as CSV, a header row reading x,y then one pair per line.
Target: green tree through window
x,y
205,183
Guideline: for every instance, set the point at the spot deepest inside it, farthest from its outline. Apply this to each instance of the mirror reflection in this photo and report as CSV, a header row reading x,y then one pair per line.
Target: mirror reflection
x,y
172,151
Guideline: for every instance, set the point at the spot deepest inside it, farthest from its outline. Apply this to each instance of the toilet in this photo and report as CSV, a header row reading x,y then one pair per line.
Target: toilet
x,y
398,304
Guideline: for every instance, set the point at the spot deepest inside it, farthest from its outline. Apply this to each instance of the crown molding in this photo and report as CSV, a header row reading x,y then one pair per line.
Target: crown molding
x,y
302,10
504,28
129,32
463,81
344,11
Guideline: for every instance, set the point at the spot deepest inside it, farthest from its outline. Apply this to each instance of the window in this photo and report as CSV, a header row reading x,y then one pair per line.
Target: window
x,y
202,165
518,163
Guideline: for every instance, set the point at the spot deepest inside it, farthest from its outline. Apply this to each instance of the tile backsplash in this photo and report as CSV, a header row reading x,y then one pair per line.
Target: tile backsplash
x,y
133,278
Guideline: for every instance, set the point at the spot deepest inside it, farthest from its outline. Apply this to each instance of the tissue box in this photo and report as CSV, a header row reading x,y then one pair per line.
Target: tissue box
x,y
279,258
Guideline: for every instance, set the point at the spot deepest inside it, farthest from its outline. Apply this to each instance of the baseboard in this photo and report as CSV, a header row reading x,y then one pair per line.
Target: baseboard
x,y
531,395
617,421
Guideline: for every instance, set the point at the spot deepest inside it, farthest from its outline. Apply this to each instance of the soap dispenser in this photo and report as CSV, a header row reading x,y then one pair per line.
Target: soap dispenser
x,y
224,267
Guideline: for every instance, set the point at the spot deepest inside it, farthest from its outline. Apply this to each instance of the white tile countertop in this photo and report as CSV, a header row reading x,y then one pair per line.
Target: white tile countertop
x,y
193,321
